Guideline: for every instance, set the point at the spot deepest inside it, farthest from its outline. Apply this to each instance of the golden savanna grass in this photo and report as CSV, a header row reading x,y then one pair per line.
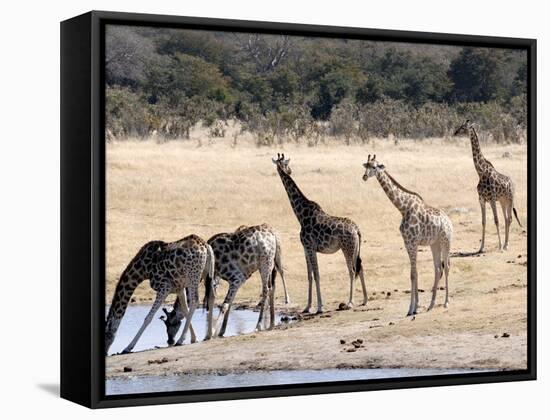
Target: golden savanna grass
x,y
167,191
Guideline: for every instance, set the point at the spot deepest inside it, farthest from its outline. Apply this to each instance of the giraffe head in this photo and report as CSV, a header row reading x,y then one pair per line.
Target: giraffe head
x,y
282,163
173,323
372,168
464,129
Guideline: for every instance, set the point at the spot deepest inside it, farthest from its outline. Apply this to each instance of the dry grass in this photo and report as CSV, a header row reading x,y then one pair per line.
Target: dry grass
x,y
170,190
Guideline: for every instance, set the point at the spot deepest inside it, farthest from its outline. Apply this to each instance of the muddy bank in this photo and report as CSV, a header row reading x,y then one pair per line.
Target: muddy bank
x,y
488,335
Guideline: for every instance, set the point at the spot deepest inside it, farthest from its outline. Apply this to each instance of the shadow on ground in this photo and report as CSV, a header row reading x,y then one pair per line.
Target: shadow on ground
x,y
52,389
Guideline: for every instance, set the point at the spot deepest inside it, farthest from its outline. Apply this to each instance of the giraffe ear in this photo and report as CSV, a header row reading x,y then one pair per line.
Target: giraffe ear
x,y
274,161
287,161
381,166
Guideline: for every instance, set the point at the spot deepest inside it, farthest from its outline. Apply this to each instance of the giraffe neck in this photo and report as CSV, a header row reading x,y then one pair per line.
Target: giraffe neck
x,y
401,198
297,199
177,309
480,162
137,270
123,292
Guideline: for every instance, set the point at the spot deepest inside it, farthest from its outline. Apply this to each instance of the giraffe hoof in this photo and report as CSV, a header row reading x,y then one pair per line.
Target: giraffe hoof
x,y
446,306
349,305
126,351
319,311
306,311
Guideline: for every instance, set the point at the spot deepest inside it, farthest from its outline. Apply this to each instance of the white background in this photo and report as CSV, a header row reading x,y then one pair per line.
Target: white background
x,y
29,233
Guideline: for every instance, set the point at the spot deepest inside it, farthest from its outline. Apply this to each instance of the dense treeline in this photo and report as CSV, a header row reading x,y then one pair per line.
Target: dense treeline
x,y
279,88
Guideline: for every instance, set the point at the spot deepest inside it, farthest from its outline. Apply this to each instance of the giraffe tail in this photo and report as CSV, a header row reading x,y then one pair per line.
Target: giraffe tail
x,y
358,261
516,214
209,286
279,267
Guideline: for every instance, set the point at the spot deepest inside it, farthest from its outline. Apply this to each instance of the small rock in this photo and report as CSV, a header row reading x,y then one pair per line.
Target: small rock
x,y
342,306
519,256
421,290
391,323
396,290
351,350
127,369
441,288
505,335
285,318
133,300
506,155
342,341
388,295
374,293
359,340
496,335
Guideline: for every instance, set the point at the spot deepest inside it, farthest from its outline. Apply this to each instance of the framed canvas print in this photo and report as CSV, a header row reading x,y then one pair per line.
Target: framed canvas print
x,y
255,209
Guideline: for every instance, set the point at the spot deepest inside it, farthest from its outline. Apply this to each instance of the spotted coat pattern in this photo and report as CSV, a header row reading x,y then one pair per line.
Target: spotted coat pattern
x,y
170,268
321,232
492,187
238,255
421,225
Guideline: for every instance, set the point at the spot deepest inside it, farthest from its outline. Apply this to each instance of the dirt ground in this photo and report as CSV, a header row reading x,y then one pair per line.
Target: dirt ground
x,y
167,191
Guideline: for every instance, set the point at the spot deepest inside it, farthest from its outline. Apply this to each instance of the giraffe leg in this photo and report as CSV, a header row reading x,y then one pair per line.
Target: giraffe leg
x,y
412,250
315,266
483,223
265,273
362,277
495,216
223,316
350,262
209,320
445,252
161,296
507,211
185,311
309,280
194,294
436,254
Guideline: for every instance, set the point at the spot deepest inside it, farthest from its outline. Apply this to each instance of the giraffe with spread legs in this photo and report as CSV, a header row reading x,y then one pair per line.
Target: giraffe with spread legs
x,y
421,225
492,187
239,255
170,268
321,232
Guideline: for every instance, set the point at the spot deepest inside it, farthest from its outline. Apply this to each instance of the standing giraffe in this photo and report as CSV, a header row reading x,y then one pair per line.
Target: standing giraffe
x,y
321,232
492,187
170,268
421,225
238,255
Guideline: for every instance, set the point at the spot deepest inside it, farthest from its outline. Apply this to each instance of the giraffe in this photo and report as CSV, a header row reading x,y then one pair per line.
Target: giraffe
x,y
421,225
170,268
238,255
321,232
492,187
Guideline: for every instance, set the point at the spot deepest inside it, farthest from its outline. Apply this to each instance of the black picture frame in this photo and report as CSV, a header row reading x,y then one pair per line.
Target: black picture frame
x,y
83,209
